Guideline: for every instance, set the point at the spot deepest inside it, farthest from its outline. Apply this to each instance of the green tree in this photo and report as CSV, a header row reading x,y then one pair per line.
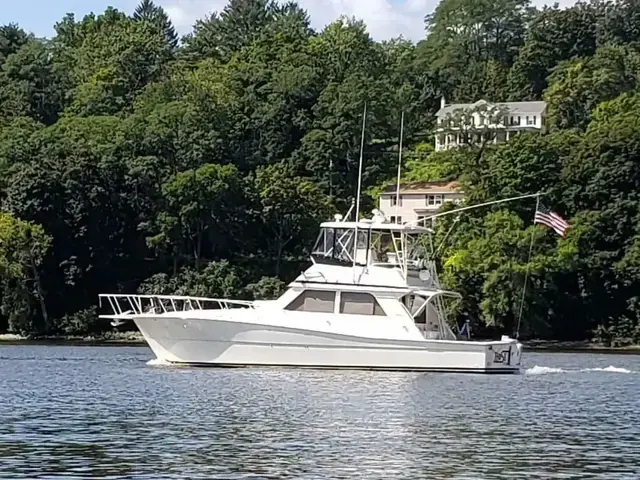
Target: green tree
x,y
147,11
290,208
577,87
12,37
487,263
29,85
22,248
216,279
555,35
465,36
109,59
220,35
200,204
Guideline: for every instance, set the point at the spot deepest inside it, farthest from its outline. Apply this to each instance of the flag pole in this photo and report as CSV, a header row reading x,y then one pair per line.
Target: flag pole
x,y
526,271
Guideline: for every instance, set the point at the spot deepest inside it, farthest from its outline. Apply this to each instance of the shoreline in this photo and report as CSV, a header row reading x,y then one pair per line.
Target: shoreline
x,y
132,339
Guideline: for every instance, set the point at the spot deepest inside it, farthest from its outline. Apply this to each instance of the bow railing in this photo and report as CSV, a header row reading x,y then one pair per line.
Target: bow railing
x,y
126,305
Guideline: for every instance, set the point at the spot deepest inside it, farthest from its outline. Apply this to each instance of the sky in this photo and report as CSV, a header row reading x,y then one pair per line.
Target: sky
x,y
384,18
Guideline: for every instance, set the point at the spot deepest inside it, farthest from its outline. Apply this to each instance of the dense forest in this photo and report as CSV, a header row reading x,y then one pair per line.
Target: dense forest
x,y
135,160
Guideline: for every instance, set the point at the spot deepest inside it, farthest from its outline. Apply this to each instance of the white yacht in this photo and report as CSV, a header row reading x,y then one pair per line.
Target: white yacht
x,y
370,300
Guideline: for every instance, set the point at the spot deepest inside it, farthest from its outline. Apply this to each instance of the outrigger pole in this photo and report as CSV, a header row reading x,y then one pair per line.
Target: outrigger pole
x,y
473,207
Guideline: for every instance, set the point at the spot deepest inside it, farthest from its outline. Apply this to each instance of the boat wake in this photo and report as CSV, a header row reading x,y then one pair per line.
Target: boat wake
x,y
157,362
538,370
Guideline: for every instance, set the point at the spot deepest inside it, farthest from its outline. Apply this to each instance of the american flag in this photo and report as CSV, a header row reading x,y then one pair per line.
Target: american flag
x,y
551,219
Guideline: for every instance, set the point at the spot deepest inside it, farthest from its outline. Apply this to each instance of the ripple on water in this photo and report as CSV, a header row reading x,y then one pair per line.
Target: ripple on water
x,y
81,412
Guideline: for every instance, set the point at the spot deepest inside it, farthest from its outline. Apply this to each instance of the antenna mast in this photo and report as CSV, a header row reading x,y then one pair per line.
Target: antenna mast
x,y
364,125
355,238
399,166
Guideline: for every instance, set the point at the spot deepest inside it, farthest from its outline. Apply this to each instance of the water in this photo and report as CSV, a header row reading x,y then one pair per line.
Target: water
x,y
102,412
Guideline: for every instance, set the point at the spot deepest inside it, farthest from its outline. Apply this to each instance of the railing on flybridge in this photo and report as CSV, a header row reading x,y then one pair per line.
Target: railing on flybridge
x,y
124,305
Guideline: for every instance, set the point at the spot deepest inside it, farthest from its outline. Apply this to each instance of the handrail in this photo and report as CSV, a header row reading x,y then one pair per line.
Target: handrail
x,y
149,304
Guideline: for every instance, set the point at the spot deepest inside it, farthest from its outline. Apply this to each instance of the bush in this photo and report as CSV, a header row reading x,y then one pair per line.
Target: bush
x,y
84,322
267,288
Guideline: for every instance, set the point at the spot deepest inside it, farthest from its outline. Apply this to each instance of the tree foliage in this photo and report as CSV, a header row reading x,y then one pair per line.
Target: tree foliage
x,y
149,12
130,160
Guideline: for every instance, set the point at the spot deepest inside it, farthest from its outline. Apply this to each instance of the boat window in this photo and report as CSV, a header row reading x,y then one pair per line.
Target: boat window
x,y
356,303
314,301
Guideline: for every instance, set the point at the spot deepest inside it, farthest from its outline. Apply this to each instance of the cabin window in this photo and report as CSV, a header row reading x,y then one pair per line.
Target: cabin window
x,y
314,301
356,303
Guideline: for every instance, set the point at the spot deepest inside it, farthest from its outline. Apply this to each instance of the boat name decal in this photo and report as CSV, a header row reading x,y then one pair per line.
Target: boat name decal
x,y
503,356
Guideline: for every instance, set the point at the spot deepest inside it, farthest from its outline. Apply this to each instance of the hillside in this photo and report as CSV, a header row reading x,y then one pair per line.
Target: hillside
x,y
132,160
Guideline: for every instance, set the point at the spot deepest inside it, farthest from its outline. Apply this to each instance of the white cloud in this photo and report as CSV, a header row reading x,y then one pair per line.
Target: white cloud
x,y
384,18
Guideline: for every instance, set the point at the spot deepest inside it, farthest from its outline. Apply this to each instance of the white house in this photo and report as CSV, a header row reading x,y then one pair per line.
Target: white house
x,y
498,122
417,200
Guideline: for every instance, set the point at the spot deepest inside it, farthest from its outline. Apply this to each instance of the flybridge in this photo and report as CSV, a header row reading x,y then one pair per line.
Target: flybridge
x,y
377,243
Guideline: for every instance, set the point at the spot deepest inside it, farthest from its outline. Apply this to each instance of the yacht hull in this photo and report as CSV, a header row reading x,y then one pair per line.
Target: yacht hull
x,y
232,343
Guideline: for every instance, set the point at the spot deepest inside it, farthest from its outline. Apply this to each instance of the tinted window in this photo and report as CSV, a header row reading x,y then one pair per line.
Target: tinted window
x,y
314,301
359,304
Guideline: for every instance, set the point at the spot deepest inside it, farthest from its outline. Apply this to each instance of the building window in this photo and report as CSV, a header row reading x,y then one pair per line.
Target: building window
x,y
434,199
480,120
394,201
422,220
393,219
313,301
357,303
531,121
505,121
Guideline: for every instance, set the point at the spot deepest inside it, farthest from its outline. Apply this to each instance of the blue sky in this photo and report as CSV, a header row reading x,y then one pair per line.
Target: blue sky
x,y
385,18
39,16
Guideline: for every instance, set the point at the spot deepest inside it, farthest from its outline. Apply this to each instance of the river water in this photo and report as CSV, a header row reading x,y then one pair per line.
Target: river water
x,y
104,412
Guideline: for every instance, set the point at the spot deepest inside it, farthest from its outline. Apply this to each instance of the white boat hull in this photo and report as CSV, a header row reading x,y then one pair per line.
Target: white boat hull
x,y
233,343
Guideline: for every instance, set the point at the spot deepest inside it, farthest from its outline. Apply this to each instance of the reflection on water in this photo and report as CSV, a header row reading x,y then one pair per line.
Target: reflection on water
x,y
91,412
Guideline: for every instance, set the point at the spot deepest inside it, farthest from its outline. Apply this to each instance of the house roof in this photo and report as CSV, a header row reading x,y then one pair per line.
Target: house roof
x,y
513,107
423,188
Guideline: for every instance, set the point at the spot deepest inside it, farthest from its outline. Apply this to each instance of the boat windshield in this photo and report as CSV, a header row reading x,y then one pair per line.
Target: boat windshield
x,y
336,245
380,246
